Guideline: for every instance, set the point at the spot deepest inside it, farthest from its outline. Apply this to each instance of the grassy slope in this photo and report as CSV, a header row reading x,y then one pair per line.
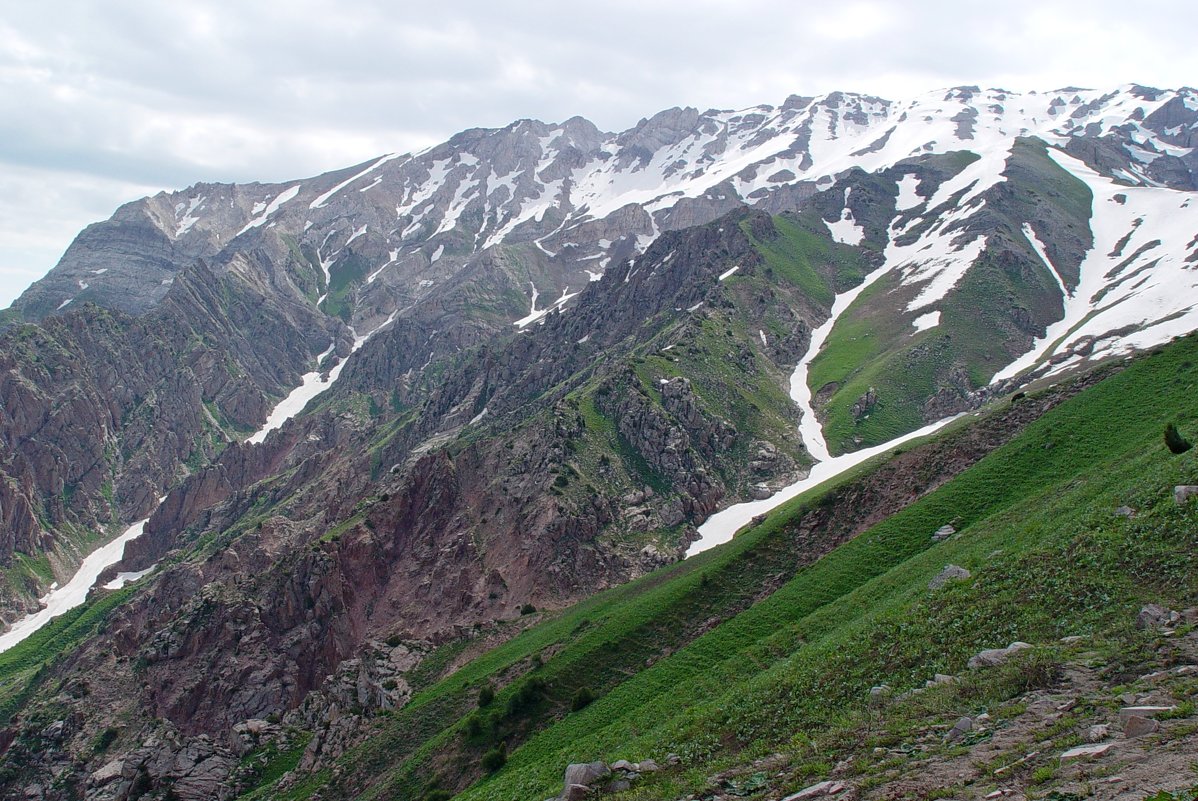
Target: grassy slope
x,y
1037,531
24,666
874,345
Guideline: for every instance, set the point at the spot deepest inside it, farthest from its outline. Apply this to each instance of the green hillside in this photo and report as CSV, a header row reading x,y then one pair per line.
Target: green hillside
x,y
701,660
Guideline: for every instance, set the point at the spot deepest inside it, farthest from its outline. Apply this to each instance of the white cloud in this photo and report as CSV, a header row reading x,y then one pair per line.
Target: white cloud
x,y
102,102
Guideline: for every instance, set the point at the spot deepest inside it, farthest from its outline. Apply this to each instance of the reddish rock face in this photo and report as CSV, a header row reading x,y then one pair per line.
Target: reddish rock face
x,y
99,412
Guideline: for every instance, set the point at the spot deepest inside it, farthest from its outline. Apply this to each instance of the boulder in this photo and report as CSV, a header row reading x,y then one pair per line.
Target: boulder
x,y
1125,511
623,765
107,773
950,573
962,727
1129,712
816,791
1183,492
943,533
992,657
1154,616
879,693
575,792
647,766
1097,733
586,773
1137,726
1085,752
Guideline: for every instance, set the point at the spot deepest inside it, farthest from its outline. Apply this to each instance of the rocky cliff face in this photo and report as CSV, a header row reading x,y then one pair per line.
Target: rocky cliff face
x,y
100,413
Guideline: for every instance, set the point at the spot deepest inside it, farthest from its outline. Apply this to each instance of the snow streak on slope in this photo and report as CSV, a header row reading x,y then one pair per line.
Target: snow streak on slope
x,y
720,527
1138,284
265,210
74,592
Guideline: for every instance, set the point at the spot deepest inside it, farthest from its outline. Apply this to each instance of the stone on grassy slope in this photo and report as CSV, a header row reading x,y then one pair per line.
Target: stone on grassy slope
x,y
943,533
992,657
962,727
1183,492
950,573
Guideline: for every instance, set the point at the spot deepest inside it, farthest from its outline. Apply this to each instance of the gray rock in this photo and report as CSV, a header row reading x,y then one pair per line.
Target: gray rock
x,y
992,657
819,790
879,693
1183,492
619,785
1137,726
950,573
1129,712
586,773
1097,733
647,766
943,533
962,727
1125,511
575,792
623,764
107,773
1085,752
1154,616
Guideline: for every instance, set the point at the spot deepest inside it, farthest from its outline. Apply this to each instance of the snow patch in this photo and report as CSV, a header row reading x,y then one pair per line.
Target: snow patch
x,y
189,219
75,591
908,194
721,526
270,208
925,321
124,577
846,231
320,201
1153,296
359,232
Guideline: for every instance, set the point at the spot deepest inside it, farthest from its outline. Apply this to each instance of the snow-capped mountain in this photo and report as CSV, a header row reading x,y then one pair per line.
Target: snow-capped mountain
x,y
567,199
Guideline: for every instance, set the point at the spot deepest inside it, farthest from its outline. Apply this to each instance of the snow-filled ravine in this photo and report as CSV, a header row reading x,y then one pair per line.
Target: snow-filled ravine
x,y
74,592
720,527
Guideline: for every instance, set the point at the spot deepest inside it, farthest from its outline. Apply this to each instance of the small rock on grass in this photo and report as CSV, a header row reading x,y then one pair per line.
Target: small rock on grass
x,y
950,573
1183,492
959,730
992,657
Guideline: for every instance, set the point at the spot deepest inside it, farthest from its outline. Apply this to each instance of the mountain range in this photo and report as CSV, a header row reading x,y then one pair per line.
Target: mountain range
x,y
362,428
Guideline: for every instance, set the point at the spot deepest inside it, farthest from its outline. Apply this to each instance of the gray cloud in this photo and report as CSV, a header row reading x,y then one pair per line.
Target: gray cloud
x,y
103,102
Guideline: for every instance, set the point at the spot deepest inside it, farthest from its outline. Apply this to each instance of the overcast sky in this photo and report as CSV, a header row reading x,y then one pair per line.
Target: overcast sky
x,y
103,103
